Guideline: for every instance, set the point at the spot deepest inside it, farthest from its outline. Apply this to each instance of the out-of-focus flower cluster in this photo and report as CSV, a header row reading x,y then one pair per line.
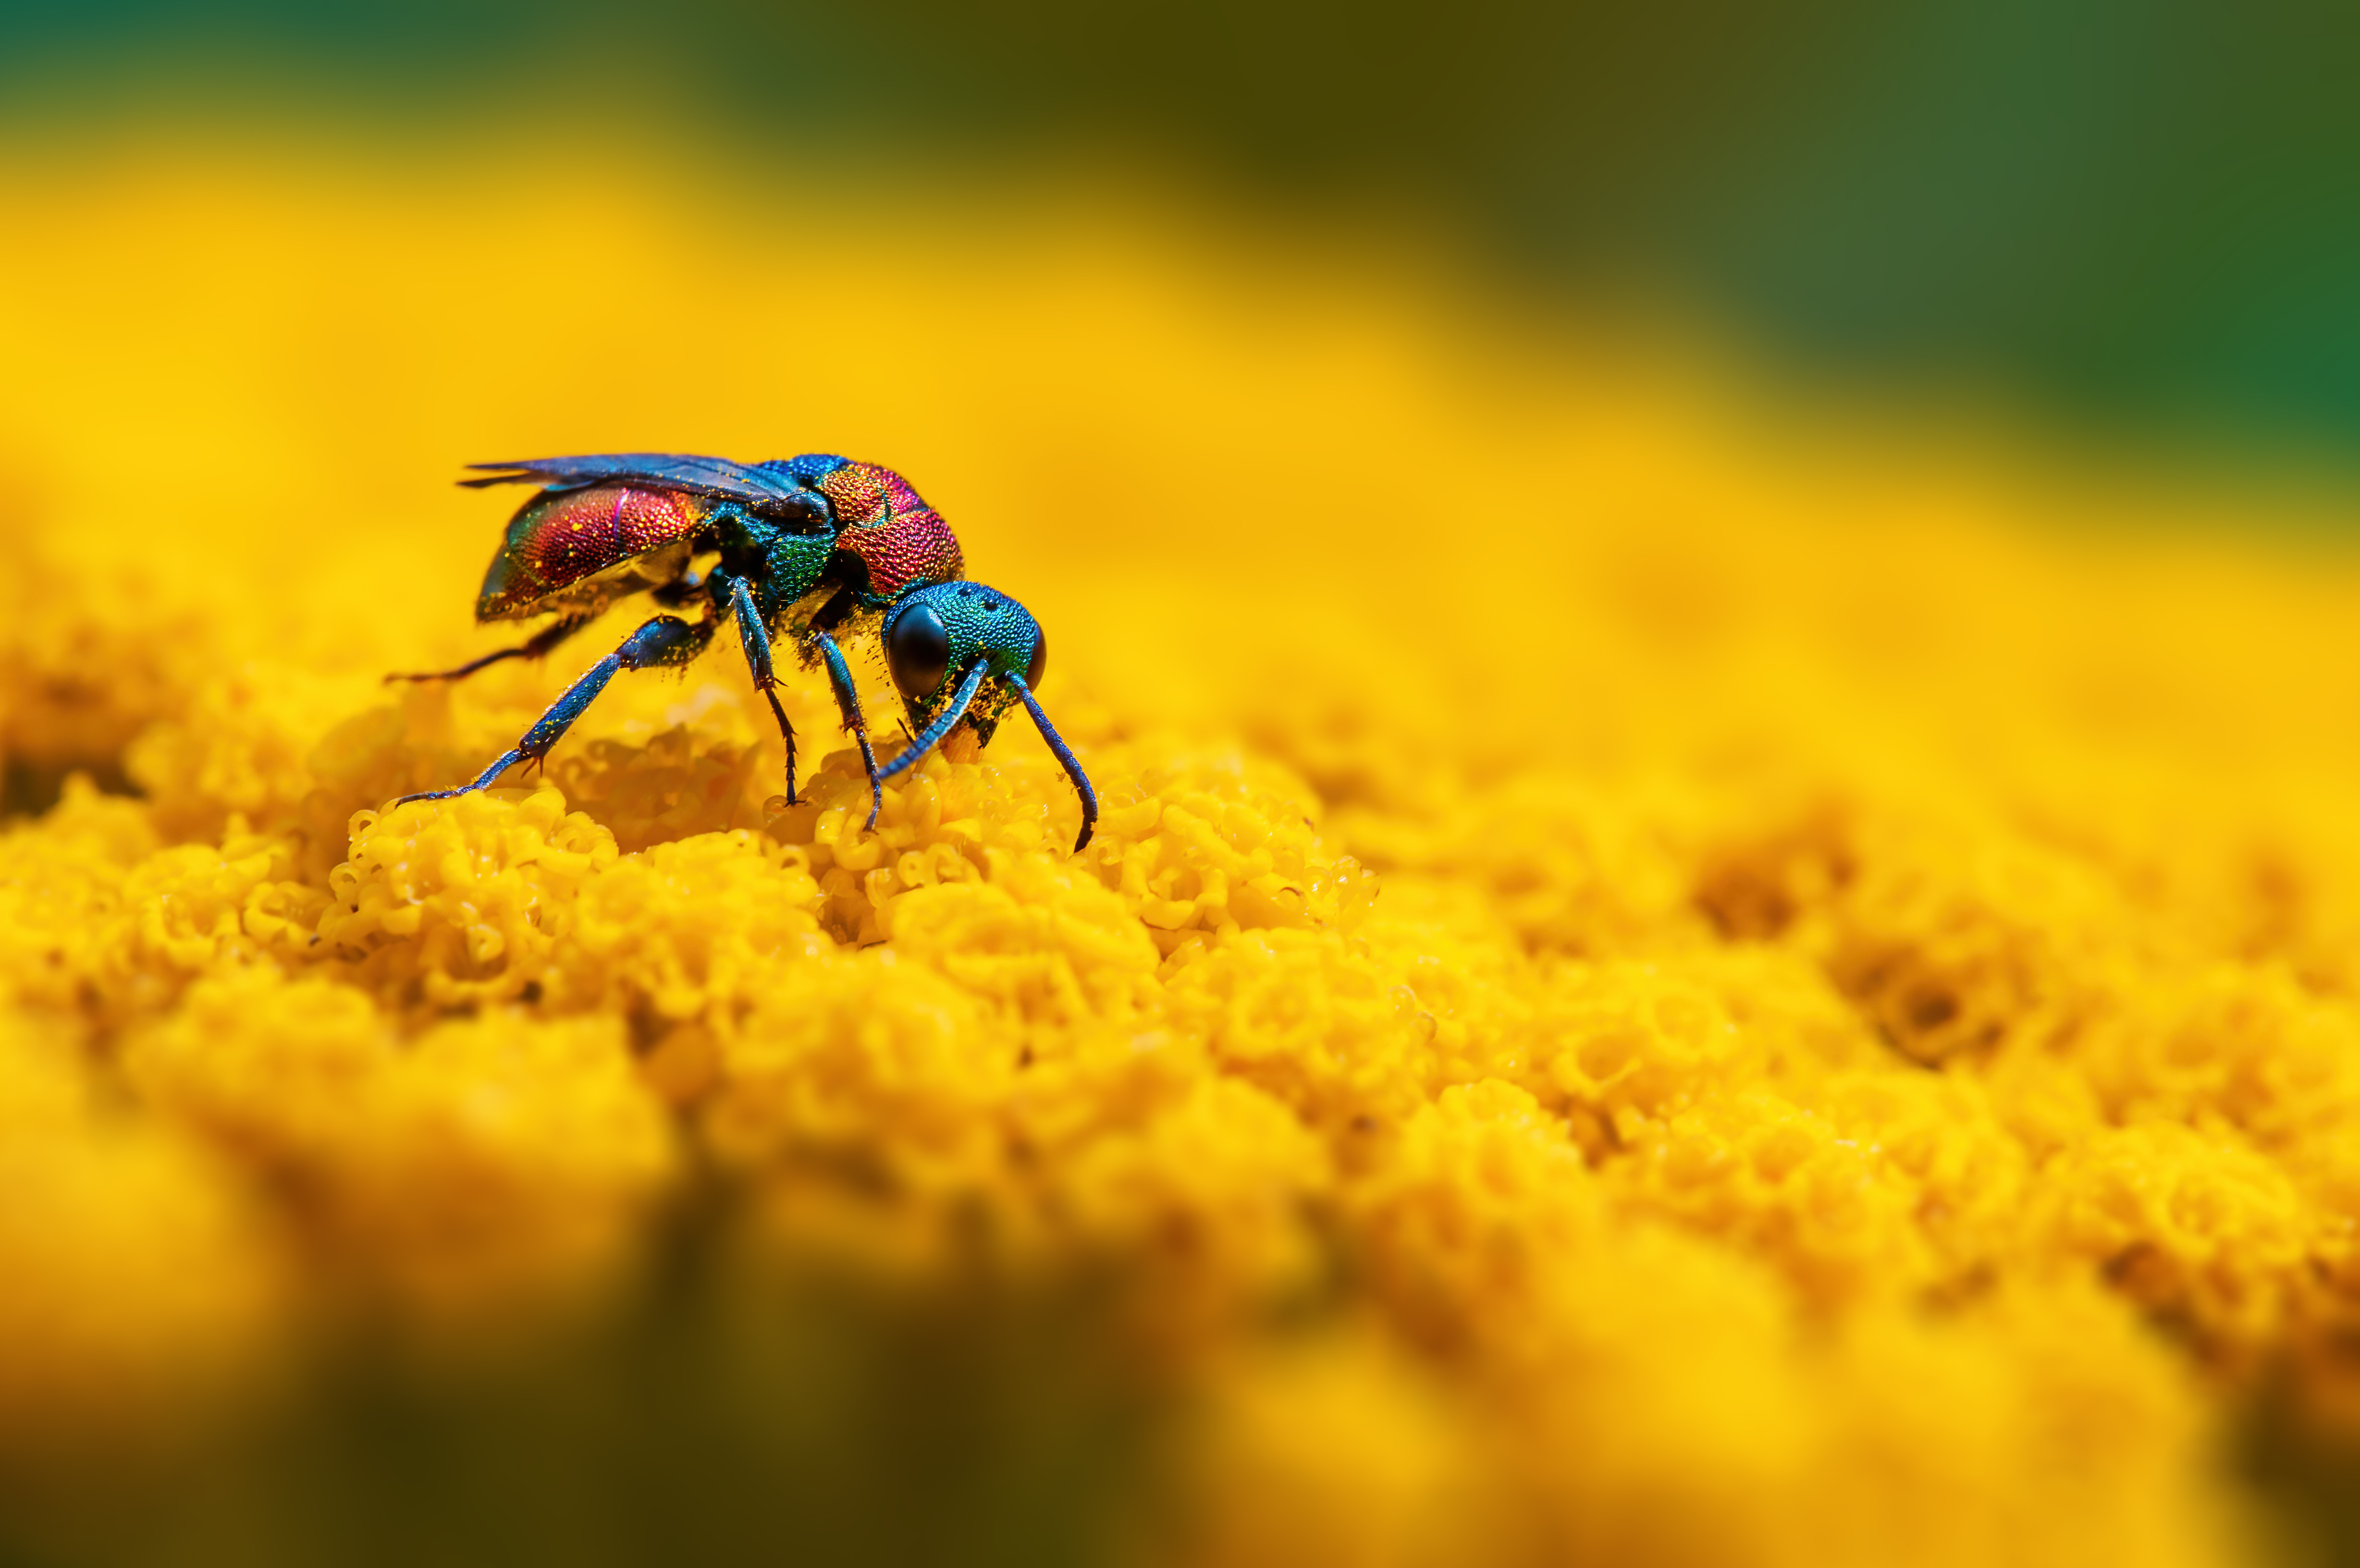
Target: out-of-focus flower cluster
x,y
1649,983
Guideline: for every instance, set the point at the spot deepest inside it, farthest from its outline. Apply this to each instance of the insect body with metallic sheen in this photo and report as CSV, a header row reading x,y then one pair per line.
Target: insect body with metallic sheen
x,y
802,550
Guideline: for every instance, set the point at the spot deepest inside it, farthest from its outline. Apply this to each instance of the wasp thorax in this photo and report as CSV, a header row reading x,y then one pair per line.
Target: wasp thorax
x,y
805,512
918,651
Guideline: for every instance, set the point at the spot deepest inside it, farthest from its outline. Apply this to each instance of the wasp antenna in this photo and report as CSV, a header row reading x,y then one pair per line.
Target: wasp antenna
x,y
1066,755
941,726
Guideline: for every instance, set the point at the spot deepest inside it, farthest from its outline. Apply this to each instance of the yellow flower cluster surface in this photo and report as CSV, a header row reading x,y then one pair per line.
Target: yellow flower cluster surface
x,y
1661,981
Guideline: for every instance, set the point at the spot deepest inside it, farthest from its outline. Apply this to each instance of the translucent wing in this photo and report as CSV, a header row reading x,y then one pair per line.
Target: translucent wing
x,y
754,483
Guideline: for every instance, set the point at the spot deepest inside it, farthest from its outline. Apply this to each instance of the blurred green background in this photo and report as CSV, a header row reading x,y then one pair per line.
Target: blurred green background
x,y
2132,215
2138,213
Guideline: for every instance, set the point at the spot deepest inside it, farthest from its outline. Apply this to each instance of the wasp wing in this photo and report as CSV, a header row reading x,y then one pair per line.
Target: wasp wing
x,y
718,476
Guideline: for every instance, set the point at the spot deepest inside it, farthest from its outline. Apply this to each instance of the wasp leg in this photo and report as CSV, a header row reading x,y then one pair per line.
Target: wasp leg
x,y
1066,757
847,700
667,639
756,640
960,703
541,642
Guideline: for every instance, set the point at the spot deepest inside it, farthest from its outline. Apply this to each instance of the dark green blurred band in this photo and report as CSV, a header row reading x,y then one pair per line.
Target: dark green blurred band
x,y
2127,209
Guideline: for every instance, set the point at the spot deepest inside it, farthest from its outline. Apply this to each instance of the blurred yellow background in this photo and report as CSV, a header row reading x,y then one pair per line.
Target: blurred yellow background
x,y
1675,971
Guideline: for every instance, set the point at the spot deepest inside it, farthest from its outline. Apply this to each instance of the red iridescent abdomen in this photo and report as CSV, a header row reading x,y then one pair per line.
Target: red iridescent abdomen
x,y
886,525
558,543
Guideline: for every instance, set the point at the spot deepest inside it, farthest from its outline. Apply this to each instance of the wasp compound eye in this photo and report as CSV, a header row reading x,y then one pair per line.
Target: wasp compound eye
x,y
918,651
1040,665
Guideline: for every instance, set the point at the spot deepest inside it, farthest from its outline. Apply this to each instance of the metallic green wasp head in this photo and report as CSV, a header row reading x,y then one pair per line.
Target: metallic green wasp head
x,y
936,637
962,650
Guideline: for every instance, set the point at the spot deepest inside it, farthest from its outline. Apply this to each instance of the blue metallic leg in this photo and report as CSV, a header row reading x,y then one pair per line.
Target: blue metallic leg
x,y
941,726
667,639
541,642
1073,767
847,700
756,640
